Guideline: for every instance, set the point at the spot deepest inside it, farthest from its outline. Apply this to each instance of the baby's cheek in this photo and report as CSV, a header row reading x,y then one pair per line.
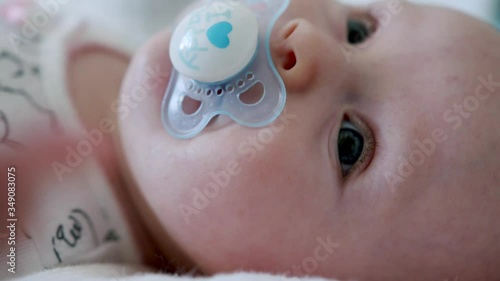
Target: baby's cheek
x,y
246,201
230,214
226,191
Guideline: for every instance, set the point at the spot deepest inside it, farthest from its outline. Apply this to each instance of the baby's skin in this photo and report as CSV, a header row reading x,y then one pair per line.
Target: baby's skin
x,y
421,202
383,166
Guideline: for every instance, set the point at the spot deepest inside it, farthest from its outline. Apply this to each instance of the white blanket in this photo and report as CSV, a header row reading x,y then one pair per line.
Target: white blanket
x,y
124,273
145,17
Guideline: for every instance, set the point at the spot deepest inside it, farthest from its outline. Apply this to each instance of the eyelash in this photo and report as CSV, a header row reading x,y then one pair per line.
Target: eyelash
x,y
369,20
369,147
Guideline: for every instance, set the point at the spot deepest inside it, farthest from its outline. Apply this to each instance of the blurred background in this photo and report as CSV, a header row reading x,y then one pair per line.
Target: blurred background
x,y
141,18
148,16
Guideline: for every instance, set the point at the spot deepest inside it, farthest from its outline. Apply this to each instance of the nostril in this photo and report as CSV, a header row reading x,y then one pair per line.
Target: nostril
x,y
290,61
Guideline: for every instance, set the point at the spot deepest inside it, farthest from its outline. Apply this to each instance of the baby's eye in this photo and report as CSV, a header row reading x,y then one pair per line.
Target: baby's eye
x,y
357,31
355,145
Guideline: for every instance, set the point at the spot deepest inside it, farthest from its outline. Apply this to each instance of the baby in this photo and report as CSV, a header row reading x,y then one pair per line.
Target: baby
x,y
383,166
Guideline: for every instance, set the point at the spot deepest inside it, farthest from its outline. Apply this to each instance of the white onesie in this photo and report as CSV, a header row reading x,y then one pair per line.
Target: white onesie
x,y
79,220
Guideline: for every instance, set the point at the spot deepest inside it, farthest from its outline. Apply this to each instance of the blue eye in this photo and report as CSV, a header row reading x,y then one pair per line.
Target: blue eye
x,y
357,32
351,145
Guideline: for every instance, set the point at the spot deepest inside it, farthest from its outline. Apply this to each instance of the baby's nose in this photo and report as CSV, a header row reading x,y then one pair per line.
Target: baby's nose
x,y
302,49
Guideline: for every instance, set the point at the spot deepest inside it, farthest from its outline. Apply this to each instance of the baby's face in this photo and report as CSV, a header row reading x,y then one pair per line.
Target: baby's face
x,y
384,165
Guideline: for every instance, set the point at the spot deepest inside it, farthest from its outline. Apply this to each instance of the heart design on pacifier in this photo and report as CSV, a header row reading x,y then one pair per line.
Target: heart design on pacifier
x,y
218,34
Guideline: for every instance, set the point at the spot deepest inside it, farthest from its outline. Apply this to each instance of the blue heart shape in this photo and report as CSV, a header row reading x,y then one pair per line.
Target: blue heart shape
x,y
218,34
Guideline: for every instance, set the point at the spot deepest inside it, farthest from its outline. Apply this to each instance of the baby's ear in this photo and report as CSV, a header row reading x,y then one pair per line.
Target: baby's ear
x,y
95,77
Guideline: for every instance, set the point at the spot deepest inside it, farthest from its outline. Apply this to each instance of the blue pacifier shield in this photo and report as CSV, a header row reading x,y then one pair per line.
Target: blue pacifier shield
x,y
220,52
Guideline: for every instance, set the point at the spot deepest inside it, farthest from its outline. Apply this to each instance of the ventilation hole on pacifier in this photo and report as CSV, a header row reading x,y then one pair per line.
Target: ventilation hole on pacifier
x,y
291,61
199,91
250,76
190,86
240,83
209,92
190,106
219,92
253,95
230,88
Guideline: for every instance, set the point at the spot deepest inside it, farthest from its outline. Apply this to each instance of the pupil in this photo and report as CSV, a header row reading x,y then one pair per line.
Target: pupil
x,y
358,32
350,146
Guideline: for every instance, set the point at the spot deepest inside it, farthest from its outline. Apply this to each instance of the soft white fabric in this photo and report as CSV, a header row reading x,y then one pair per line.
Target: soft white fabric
x,y
34,90
143,18
124,273
138,19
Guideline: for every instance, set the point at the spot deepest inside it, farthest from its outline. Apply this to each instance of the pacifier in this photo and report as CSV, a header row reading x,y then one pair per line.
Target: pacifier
x,y
219,52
